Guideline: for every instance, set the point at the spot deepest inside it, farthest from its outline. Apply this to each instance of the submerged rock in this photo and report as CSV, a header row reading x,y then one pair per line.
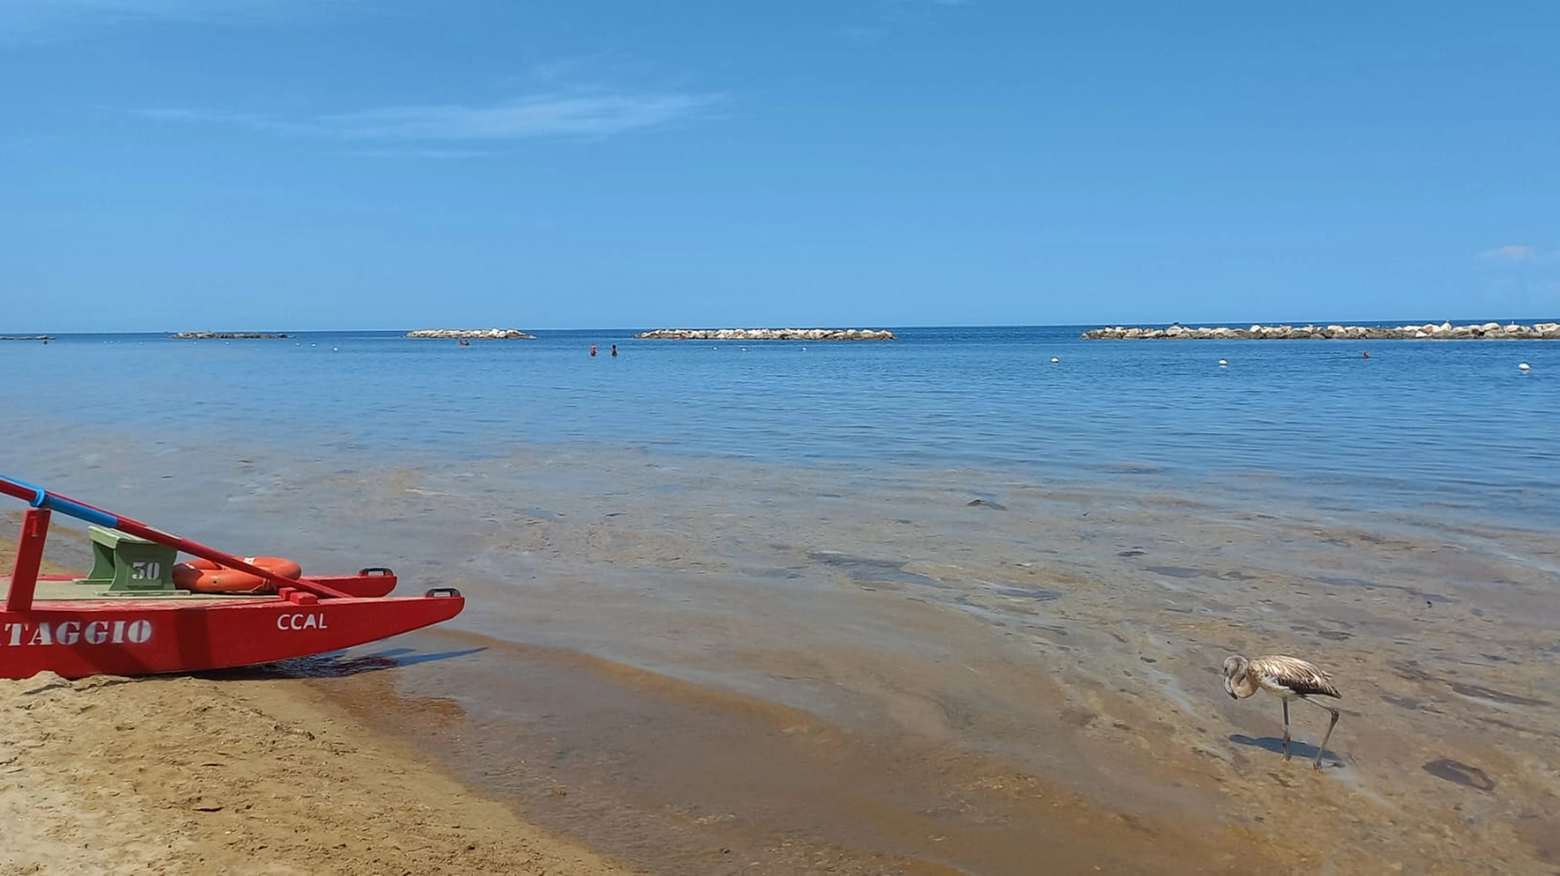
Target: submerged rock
x,y
814,334
494,334
1444,331
228,336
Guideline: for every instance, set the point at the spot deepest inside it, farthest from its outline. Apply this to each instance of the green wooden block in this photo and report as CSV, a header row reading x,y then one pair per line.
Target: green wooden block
x,y
128,563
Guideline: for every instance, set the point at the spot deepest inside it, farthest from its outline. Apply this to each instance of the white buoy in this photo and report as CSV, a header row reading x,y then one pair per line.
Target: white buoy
x,y
1223,364
335,349
1523,367
1055,361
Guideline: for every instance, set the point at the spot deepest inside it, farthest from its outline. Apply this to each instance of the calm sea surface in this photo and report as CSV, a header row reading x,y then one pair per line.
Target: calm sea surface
x,y
1454,423
797,525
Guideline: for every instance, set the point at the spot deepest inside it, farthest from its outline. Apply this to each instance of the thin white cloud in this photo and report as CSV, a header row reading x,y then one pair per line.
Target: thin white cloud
x,y
1512,254
593,115
540,116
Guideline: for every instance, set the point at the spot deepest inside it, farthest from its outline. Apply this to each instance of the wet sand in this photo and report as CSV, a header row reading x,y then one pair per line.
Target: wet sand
x,y
1064,639
681,778
716,666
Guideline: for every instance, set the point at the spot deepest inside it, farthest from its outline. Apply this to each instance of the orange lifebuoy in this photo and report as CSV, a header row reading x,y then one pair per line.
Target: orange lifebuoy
x,y
204,576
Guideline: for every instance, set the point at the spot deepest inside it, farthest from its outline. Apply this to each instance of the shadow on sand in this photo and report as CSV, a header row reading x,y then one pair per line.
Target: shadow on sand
x,y
1297,749
339,664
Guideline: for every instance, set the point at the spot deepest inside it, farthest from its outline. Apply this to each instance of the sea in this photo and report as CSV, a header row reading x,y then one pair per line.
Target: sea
x,y
1415,421
939,545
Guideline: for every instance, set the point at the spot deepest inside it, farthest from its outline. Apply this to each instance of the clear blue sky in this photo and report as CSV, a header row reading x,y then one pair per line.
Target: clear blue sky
x,y
302,164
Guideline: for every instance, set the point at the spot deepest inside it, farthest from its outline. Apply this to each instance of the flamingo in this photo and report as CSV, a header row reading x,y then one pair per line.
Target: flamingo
x,y
1286,678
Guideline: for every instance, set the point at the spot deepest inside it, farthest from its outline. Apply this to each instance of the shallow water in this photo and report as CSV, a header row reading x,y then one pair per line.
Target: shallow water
x,y
954,575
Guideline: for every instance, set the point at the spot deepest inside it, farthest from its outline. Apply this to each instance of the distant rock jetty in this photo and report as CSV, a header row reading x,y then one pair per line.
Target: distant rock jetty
x,y
496,334
1445,331
229,336
768,335
26,337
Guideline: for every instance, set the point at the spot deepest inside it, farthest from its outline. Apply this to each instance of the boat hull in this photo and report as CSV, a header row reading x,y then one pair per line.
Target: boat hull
x,y
120,636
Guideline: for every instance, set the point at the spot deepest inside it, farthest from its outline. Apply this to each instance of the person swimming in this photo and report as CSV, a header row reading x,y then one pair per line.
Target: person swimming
x,y
593,349
614,349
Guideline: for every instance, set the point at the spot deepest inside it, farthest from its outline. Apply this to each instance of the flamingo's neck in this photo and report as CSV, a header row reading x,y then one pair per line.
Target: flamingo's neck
x,y
1245,685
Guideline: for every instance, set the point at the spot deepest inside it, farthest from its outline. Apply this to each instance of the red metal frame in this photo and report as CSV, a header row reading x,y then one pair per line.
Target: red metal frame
x,y
141,636
29,556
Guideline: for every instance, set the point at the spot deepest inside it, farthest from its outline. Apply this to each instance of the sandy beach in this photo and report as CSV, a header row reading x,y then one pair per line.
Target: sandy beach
x,y
236,774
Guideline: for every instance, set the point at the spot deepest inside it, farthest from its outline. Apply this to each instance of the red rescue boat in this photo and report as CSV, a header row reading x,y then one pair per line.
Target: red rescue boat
x,y
130,616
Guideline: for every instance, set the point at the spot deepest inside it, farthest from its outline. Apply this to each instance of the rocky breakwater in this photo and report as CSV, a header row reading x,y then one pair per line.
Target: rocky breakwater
x,y
1444,331
26,337
768,335
228,336
496,334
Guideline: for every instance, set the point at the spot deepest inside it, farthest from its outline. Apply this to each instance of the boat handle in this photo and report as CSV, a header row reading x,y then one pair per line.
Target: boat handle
x,y
376,571
442,591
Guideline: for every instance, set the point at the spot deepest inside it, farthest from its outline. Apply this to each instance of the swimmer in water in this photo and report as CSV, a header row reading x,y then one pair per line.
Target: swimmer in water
x,y
593,349
1365,355
614,349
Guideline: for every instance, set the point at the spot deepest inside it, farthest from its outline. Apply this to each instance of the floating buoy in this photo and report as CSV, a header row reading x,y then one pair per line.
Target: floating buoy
x,y
1523,367
1055,361
1223,364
